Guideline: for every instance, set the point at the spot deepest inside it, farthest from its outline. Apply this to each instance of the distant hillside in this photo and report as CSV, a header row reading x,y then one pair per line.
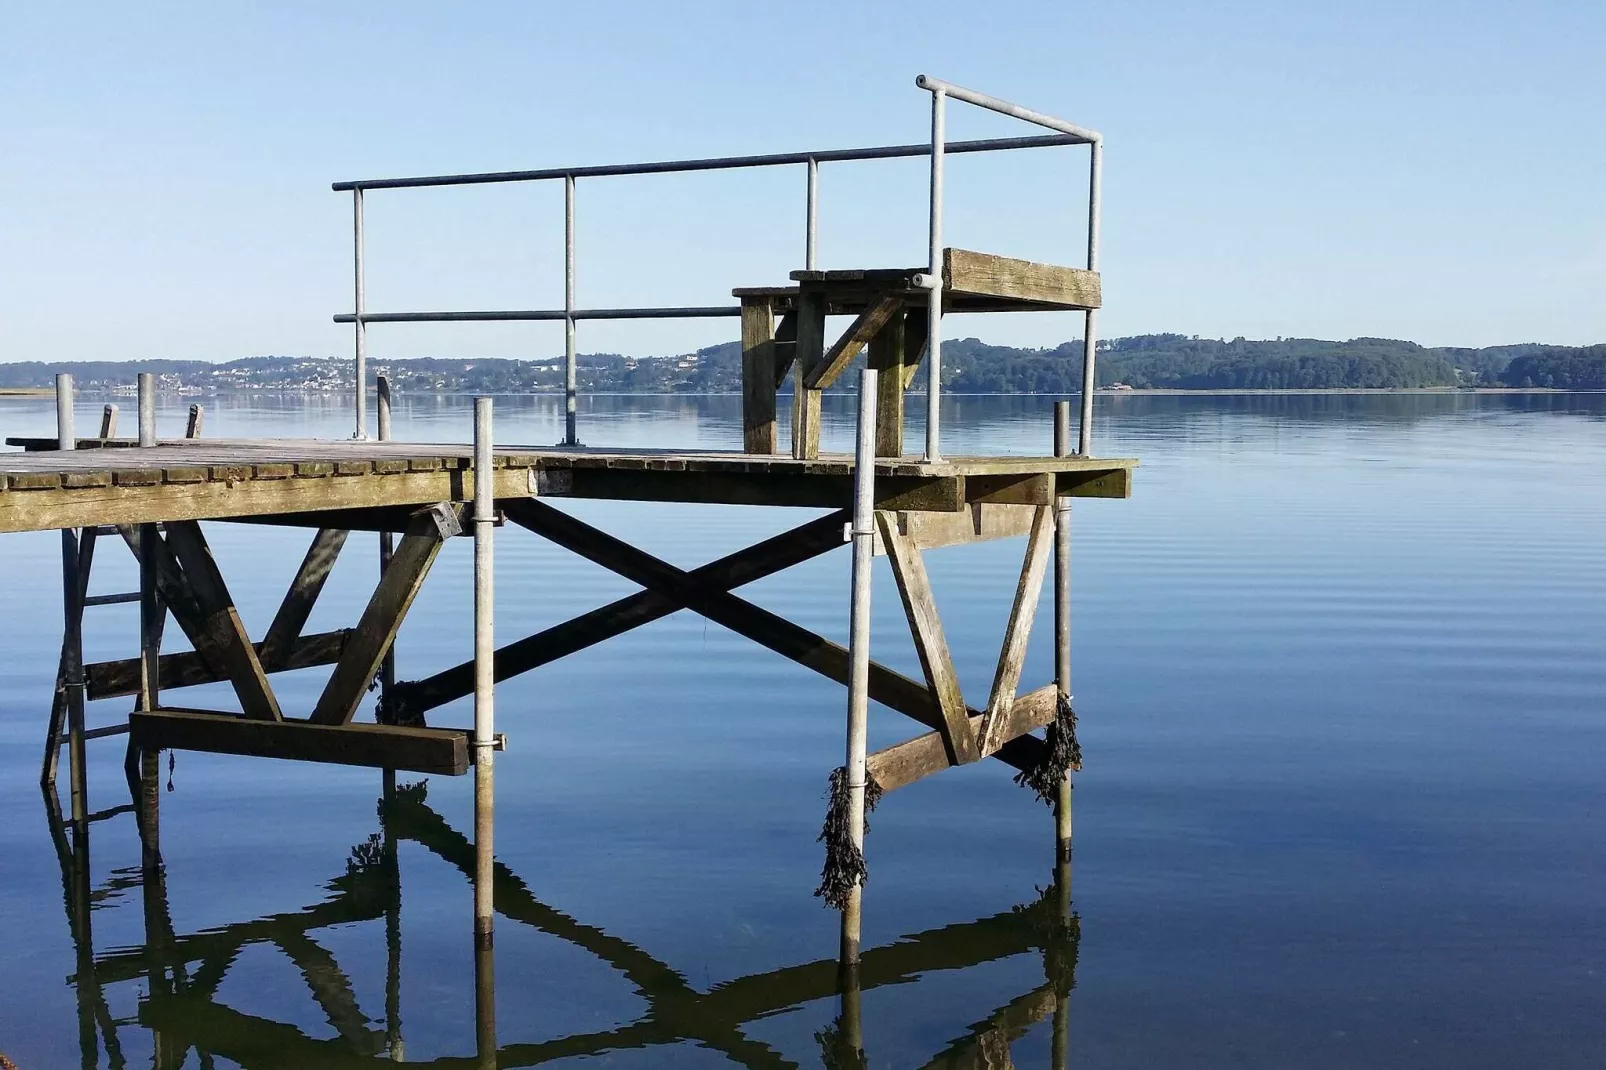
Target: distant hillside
x,y
1151,361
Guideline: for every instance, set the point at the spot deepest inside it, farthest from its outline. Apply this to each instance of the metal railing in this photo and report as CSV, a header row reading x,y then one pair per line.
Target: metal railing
x,y
1063,134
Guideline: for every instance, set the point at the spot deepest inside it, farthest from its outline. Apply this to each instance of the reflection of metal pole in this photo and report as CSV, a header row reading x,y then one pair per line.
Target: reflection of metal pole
x,y
852,1018
392,865
859,648
485,1004
484,672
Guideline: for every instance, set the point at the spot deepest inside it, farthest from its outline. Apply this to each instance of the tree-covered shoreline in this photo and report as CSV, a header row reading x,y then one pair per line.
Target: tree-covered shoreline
x,y
1142,362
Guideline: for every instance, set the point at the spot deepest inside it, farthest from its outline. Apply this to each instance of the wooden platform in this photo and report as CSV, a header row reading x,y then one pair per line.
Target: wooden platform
x,y
369,485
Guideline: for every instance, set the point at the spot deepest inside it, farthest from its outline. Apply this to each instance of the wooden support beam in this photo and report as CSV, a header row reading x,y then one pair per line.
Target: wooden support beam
x,y
421,750
915,328
785,346
819,536
810,349
886,357
305,586
978,523
1039,548
904,763
111,679
376,629
222,638
1046,285
920,606
758,377
858,335
888,687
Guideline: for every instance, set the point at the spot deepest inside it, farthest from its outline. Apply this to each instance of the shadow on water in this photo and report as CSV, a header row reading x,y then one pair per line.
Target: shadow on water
x,y
181,972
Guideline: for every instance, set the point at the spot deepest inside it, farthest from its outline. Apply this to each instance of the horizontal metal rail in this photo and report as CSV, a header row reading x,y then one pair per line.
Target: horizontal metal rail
x,y
691,312
723,163
1082,134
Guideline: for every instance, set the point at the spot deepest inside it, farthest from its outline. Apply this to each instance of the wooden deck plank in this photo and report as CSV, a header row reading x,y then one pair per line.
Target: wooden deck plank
x,y
443,751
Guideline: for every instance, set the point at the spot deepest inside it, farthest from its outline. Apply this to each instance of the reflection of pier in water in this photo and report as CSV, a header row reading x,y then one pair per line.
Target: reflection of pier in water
x,y
183,972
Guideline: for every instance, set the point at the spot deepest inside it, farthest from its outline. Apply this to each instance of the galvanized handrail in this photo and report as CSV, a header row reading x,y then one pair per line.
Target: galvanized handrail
x,y
932,279
1064,134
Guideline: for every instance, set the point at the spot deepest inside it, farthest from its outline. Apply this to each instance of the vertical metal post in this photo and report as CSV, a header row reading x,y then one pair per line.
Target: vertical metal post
x,y
863,531
72,605
1062,643
484,1006
1090,323
570,373
484,668
811,234
933,282
359,306
387,546
152,613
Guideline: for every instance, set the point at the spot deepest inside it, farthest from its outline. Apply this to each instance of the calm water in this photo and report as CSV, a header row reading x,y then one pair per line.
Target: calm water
x,y
1341,670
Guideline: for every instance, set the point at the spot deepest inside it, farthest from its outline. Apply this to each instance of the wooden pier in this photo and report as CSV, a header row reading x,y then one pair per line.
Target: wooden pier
x,y
154,496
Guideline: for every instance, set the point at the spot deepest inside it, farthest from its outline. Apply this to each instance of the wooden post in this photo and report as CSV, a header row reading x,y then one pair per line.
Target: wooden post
x,y
863,531
108,422
887,358
152,611
1062,646
758,375
387,546
484,681
810,350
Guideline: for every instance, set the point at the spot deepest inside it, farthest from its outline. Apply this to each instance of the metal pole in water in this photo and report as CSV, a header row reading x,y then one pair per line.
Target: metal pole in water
x,y
484,678
72,668
152,616
933,282
863,532
387,546
1062,647
571,429
359,327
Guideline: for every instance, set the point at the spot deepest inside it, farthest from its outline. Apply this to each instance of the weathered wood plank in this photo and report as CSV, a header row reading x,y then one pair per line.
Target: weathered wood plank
x,y
916,330
150,503
112,679
1012,655
305,587
980,522
442,751
758,377
810,352
937,493
1114,483
931,645
887,357
222,636
377,627
864,327
967,272
776,554
904,763
785,346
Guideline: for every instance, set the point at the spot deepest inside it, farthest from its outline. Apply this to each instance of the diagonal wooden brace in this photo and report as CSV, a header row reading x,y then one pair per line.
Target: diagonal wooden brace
x,y
381,620
803,543
280,638
855,338
890,688
1039,547
222,638
936,661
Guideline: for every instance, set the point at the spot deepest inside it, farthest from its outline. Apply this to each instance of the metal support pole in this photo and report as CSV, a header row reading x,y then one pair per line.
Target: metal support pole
x,y
1062,646
387,546
1090,324
810,238
152,613
484,673
484,1005
933,282
359,307
72,604
570,373
863,532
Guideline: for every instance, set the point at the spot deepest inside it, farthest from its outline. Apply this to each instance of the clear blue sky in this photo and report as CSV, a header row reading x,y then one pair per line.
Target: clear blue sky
x,y
1433,171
